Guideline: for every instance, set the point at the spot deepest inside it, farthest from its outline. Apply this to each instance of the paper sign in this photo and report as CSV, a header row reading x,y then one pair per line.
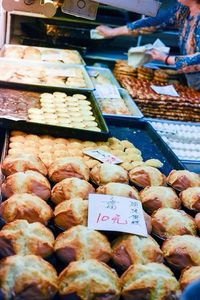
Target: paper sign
x,y
114,213
103,156
106,91
165,90
81,8
95,35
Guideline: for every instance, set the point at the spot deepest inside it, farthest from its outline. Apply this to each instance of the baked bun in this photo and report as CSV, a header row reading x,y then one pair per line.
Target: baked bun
x,y
105,173
167,222
71,188
183,179
155,197
118,189
30,182
151,281
89,279
190,198
70,213
68,167
20,237
131,249
182,251
27,277
189,275
81,243
146,176
26,206
32,53
14,52
21,162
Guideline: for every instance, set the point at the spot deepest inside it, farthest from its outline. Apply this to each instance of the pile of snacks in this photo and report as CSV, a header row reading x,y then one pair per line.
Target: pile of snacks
x,y
114,106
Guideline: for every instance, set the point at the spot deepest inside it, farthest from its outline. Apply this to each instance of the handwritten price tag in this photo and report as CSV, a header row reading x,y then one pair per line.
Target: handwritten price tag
x,y
103,156
114,213
168,90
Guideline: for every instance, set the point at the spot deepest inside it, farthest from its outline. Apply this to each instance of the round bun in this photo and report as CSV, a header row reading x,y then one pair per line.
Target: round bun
x,y
32,53
183,179
155,197
27,277
21,162
167,222
71,188
146,176
68,167
81,243
118,189
70,213
189,275
142,281
190,198
20,237
182,251
14,52
30,182
27,207
132,249
105,173
89,279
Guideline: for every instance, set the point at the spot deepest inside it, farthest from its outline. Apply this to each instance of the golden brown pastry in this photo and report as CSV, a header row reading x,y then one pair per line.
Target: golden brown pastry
x,y
146,176
21,162
151,281
183,179
81,243
27,277
25,206
131,249
30,182
189,275
182,251
71,188
14,52
70,213
68,167
89,279
190,198
118,189
155,197
167,222
32,53
105,173
20,237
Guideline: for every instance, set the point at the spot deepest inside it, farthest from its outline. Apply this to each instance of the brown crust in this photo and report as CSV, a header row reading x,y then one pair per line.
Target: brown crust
x,y
151,205
6,247
121,257
140,177
180,259
66,254
142,294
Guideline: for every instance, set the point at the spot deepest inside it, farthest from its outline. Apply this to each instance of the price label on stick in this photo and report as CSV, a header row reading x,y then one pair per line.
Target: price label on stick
x,y
103,156
114,213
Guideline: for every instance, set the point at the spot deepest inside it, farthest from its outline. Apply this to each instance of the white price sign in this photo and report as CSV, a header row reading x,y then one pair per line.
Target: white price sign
x,y
103,156
114,213
107,91
168,90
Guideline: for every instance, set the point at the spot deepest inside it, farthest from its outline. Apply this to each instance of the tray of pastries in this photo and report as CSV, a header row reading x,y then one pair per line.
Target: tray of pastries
x,y
102,76
66,56
72,113
21,72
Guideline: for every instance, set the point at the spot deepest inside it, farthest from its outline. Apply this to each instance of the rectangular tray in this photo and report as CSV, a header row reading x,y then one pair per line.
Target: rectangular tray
x,y
42,49
105,72
50,68
144,137
59,130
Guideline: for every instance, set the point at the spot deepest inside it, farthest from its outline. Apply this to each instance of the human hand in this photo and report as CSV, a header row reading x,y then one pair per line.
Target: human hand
x,y
105,31
157,55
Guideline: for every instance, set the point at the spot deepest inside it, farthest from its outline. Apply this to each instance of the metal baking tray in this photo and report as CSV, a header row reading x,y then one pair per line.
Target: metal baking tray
x,y
38,128
42,49
95,71
50,69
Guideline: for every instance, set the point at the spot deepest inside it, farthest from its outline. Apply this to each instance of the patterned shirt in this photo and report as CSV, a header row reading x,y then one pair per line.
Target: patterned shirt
x,y
189,34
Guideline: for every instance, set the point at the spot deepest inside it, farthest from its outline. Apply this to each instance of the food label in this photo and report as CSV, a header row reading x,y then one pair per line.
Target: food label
x,y
103,156
114,213
106,91
165,90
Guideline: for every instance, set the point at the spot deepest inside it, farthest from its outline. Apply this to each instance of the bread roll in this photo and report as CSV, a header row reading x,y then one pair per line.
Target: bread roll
x,y
183,179
71,188
14,52
26,206
81,243
151,281
118,189
68,167
27,277
89,279
20,237
155,197
146,176
30,182
70,213
189,275
21,162
32,53
190,198
105,173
